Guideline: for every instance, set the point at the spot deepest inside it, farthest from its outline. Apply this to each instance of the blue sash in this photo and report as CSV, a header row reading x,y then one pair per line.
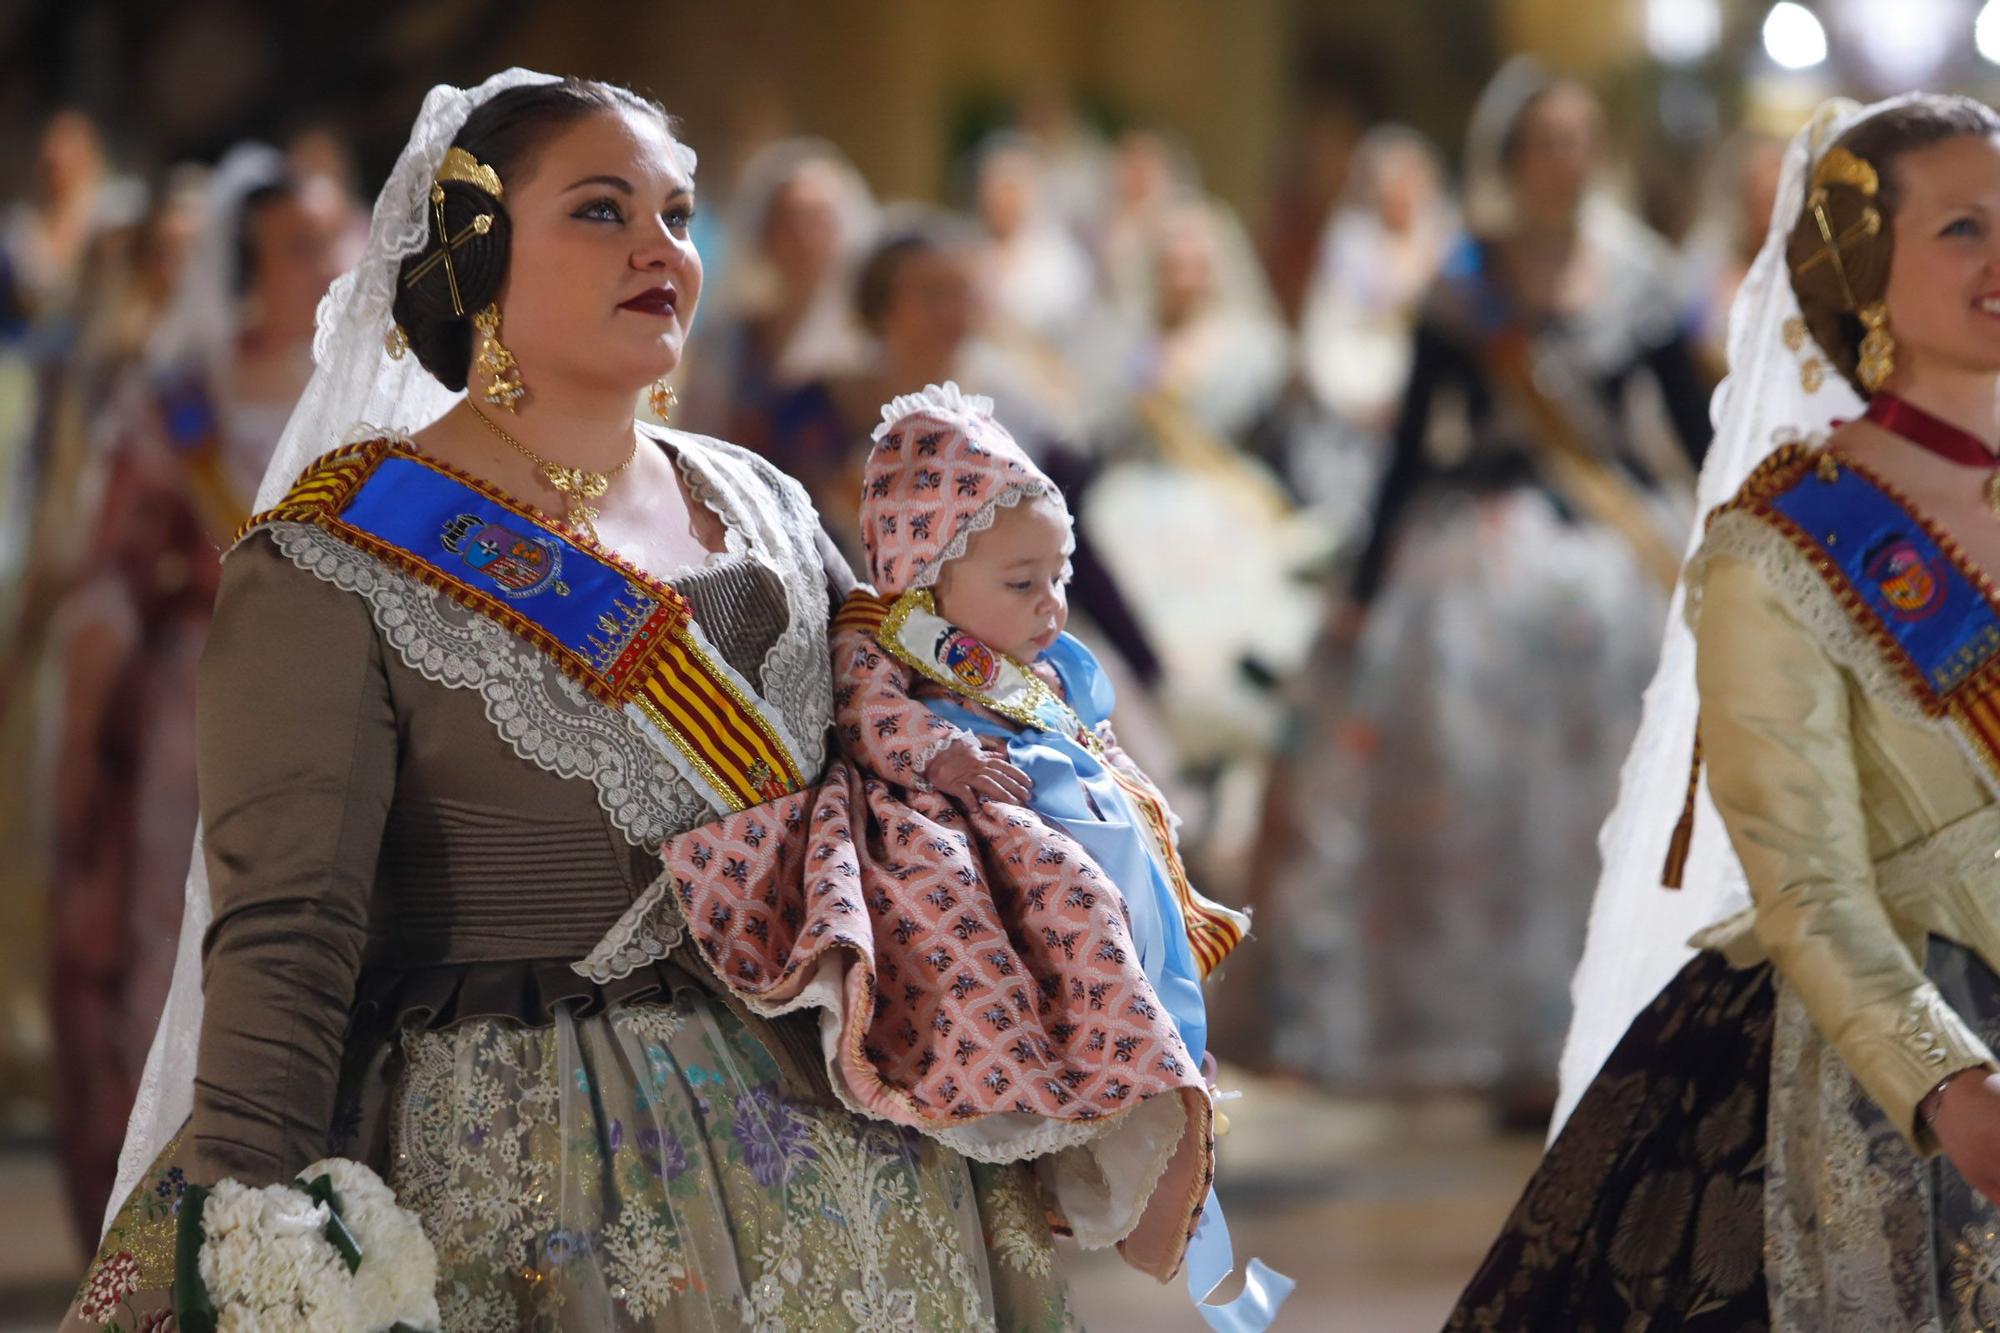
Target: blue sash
x,y
628,639
1897,577
590,608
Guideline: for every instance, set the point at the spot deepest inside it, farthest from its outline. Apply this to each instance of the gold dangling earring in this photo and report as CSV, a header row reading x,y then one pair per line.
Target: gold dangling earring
x,y
662,398
504,387
1878,348
397,343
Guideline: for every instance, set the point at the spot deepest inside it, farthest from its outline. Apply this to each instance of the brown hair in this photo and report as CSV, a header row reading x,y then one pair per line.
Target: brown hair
x,y
911,234
504,133
1863,256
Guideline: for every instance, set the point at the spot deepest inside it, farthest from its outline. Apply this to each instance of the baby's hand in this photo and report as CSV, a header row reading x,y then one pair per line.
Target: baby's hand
x,y
970,774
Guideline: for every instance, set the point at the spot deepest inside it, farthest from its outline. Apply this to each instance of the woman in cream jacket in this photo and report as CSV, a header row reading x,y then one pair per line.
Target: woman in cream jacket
x,y
1802,1130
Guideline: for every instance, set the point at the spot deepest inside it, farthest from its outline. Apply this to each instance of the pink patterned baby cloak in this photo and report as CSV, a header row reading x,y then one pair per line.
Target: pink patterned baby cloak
x,y
974,969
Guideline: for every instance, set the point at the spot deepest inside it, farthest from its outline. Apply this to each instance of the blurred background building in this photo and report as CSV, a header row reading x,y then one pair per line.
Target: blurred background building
x,y
1212,258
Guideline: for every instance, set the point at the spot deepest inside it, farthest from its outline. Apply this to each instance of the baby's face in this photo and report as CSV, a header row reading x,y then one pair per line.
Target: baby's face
x,y
1007,590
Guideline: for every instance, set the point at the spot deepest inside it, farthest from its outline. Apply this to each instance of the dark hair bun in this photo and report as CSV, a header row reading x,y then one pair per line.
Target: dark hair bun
x,y
1824,277
439,334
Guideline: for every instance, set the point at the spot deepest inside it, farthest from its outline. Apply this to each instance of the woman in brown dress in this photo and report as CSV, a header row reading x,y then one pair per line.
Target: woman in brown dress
x,y
444,730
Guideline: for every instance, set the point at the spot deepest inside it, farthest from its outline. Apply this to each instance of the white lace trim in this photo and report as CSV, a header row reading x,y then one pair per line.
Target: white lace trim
x,y
1831,1185
638,937
932,749
1152,1147
983,518
544,717
550,720
946,402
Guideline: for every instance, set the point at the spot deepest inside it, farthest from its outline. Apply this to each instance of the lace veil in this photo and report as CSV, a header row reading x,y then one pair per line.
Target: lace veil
x,y
199,328
1638,929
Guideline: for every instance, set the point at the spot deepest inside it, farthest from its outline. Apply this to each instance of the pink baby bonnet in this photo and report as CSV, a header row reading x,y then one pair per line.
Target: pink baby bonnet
x,y
942,468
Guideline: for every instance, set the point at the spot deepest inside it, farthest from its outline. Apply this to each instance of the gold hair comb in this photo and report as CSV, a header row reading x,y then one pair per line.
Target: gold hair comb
x,y
462,166
1841,167
458,165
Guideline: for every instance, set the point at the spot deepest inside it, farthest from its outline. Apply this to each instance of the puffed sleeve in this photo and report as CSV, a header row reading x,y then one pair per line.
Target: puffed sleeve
x,y
1437,359
297,763
1781,768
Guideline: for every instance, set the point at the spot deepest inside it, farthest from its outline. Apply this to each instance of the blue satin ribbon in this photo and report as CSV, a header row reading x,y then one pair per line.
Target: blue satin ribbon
x,y
1075,791
1210,1258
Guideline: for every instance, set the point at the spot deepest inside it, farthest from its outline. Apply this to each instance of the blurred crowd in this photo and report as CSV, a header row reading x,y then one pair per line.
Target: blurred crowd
x,y
1374,497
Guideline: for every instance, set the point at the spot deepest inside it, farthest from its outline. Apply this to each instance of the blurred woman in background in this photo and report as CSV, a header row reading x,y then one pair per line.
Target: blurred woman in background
x,y
1741,189
1197,531
185,442
1377,263
800,223
1503,620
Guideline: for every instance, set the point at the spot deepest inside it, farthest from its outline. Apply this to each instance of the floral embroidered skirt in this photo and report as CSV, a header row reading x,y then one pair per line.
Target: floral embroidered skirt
x,y
1724,1171
645,1168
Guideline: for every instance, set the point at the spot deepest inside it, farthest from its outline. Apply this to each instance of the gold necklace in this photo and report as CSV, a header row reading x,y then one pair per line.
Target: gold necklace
x,y
577,487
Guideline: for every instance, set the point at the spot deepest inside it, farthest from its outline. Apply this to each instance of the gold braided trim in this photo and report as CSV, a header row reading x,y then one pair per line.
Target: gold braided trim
x,y
326,485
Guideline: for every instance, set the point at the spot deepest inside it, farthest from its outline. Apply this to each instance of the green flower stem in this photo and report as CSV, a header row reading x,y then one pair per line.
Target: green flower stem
x,y
194,1310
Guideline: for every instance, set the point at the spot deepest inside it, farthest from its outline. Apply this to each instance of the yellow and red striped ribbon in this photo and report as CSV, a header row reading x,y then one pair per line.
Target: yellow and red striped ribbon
x,y
862,610
1213,932
1976,710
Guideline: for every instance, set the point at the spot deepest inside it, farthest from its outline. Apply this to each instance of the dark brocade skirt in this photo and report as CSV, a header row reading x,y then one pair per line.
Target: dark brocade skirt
x,y
1724,1171
1650,1202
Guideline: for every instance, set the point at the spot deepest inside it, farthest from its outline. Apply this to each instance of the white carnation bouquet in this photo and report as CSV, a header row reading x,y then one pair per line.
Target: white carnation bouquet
x,y
333,1252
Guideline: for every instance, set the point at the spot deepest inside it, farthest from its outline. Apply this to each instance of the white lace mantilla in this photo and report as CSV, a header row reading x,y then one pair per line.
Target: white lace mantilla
x,y
551,721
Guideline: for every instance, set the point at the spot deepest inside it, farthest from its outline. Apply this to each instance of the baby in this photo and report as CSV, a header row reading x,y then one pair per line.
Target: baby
x,y
974,542
982,899
1012,708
